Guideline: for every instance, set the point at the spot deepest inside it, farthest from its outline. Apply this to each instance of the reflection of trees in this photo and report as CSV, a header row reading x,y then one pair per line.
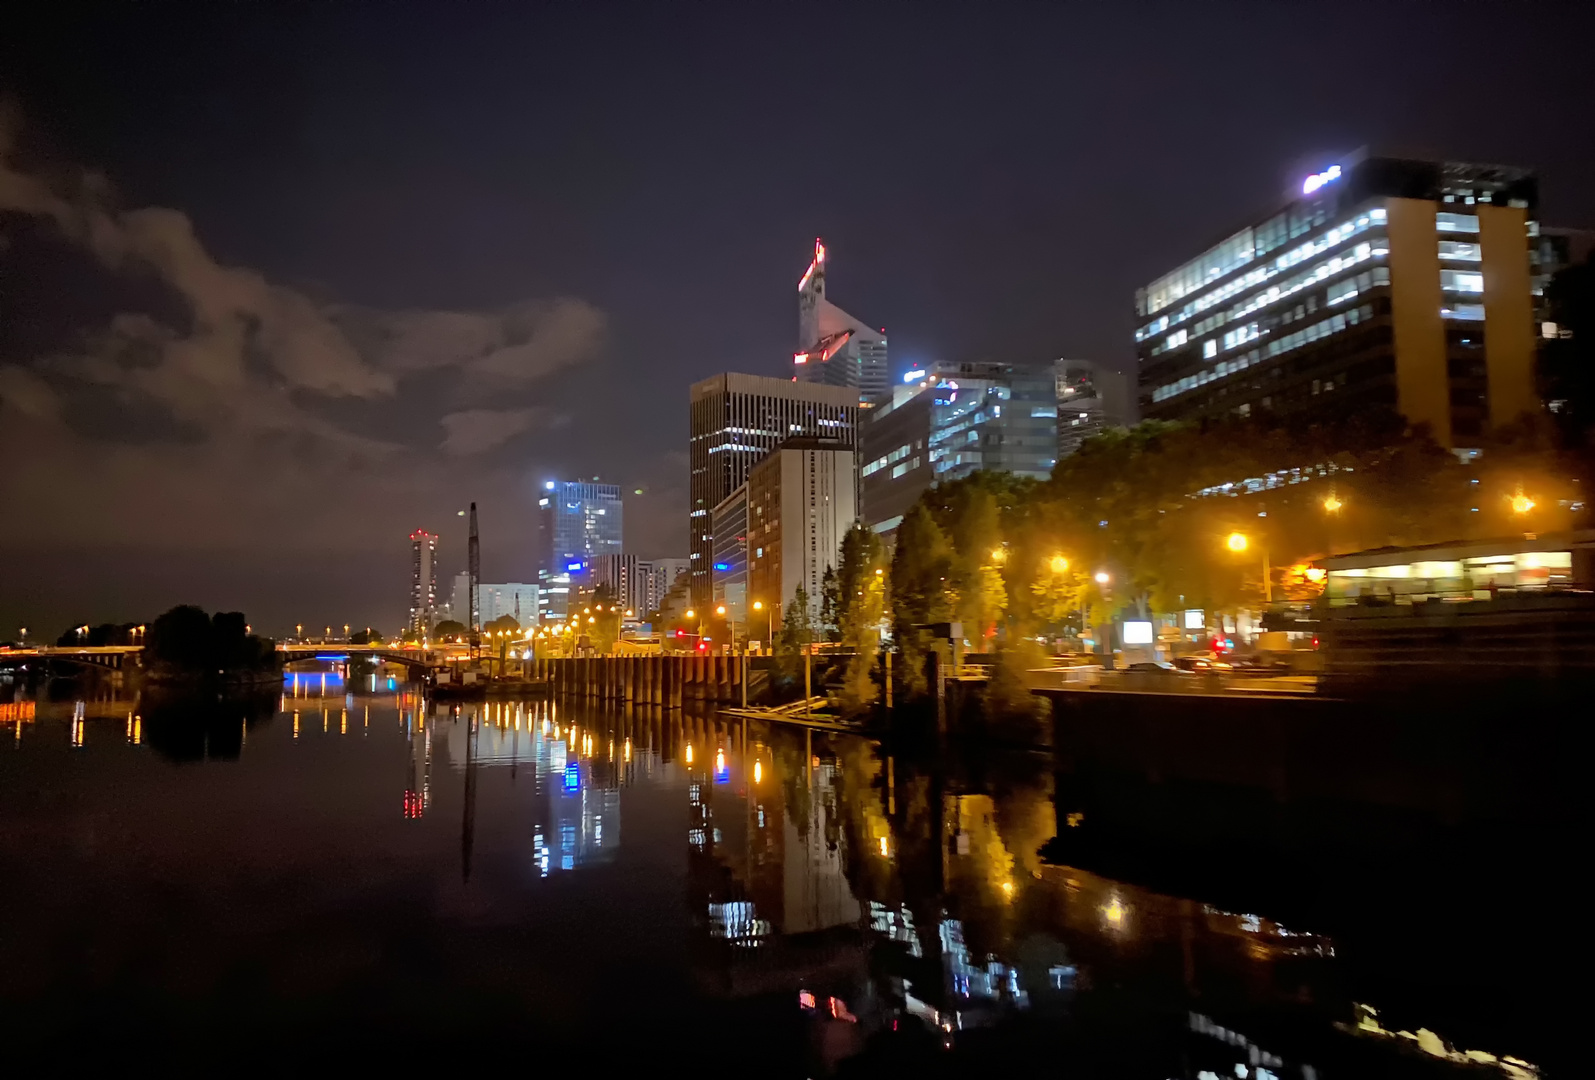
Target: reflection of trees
x,y
196,727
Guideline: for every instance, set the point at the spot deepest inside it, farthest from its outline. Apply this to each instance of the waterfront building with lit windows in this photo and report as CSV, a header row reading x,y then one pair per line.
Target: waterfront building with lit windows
x,y
423,580
577,522
733,421
836,348
1382,284
949,420
801,500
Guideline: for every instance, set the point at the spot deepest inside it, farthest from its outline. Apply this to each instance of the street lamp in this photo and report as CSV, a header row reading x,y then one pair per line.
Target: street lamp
x,y
999,554
1238,542
758,605
1332,504
1102,577
1059,564
299,630
1521,503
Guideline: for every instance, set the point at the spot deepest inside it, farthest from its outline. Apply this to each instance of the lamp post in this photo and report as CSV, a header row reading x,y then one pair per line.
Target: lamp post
x,y
730,624
758,605
1238,542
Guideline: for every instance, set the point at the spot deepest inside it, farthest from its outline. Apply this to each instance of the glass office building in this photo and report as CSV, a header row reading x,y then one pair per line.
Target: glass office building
x,y
949,420
1383,284
577,523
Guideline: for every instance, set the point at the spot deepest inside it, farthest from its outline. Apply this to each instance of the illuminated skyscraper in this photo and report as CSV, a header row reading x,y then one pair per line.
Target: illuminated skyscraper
x,y
423,580
734,421
577,523
833,347
1381,286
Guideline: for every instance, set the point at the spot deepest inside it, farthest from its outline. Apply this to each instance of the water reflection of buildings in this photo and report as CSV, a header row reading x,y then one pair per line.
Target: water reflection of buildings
x,y
921,899
576,772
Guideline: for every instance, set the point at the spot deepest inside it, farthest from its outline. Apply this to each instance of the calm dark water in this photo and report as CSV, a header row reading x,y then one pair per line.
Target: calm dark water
x,y
372,873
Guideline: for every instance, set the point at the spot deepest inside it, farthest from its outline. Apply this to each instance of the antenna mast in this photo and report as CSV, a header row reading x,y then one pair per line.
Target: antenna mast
x,y
475,568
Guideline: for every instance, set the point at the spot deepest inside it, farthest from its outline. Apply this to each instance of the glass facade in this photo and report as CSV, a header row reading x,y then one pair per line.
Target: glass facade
x,y
1297,314
958,419
577,523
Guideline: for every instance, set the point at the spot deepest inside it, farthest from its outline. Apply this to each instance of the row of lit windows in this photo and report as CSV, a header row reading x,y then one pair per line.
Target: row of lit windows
x,y
1330,267
1285,343
1342,291
1334,237
889,459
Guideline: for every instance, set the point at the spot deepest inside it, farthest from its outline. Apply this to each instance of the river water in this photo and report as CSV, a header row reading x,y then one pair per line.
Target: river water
x,y
355,868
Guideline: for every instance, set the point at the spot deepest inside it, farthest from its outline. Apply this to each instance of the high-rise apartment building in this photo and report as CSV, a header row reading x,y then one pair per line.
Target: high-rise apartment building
x,y
952,419
660,577
801,500
627,578
835,348
577,523
734,420
1382,284
423,580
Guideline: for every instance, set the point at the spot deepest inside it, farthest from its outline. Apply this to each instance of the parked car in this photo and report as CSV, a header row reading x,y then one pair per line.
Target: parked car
x,y
1153,667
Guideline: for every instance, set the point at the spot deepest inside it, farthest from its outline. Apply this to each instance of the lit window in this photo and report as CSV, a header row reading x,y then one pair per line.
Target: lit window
x,y
1459,250
1462,223
1210,348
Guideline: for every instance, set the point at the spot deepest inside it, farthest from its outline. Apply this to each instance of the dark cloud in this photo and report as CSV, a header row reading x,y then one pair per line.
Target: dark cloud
x,y
235,421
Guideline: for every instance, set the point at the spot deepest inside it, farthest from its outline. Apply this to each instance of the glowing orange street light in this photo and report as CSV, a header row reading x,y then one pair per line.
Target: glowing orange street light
x,y
1521,503
1059,564
1236,541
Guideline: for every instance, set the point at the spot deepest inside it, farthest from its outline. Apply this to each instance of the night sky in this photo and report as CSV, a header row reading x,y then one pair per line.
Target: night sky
x,y
279,284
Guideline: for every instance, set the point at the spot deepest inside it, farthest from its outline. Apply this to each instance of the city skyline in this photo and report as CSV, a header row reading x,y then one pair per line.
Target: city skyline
x,y
507,332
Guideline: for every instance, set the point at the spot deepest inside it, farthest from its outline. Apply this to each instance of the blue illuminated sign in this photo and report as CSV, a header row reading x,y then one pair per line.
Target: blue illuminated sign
x,y
722,566
573,777
573,566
